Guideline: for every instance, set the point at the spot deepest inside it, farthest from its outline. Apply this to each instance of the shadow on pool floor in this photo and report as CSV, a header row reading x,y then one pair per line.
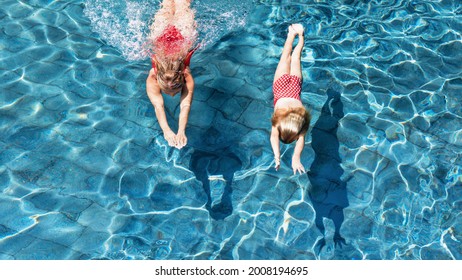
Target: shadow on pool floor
x,y
328,192
217,167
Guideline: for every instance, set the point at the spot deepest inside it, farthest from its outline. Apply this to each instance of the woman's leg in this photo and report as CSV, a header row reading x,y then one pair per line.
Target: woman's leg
x,y
185,22
166,11
286,57
182,3
162,18
295,65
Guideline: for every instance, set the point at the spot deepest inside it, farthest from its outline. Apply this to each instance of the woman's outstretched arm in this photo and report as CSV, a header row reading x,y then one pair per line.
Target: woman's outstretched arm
x,y
185,107
155,96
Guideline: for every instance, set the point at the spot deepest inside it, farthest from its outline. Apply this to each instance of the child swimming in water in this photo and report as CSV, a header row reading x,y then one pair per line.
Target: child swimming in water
x,y
173,35
290,120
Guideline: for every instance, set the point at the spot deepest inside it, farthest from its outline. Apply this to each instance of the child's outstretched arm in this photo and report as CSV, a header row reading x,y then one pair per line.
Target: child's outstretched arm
x,y
155,96
296,164
275,146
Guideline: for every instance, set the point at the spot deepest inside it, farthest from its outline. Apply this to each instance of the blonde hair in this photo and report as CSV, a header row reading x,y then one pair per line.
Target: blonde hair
x,y
170,74
291,123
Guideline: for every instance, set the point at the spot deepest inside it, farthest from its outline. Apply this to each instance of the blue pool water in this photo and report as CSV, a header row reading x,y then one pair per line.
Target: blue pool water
x,y
85,172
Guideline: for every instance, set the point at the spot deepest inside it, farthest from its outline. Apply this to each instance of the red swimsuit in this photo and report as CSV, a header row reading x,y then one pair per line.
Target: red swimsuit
x,y
287,86
170,43
186,61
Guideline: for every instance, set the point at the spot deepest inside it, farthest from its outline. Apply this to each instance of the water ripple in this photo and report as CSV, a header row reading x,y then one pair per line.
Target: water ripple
x,y
86,174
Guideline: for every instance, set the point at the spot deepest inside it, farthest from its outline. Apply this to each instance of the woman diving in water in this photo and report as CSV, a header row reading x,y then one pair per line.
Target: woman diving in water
x,y
173,37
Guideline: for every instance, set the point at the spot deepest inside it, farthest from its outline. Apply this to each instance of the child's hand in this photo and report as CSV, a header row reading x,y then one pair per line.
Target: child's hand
x,y
297,166
277,163
181,140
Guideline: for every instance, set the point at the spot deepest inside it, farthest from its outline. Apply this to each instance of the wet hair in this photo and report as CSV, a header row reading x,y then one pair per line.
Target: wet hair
x,y
291,123
170,74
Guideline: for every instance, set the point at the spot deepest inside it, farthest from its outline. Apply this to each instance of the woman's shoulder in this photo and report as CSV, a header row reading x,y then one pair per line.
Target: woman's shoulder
x,y
152,78
187,72
152,75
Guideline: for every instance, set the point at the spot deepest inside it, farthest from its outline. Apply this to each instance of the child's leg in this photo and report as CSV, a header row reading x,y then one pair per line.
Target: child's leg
x,y
295,65
284,61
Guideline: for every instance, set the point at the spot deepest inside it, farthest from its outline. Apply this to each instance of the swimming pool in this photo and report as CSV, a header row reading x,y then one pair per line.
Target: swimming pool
x,y
85,172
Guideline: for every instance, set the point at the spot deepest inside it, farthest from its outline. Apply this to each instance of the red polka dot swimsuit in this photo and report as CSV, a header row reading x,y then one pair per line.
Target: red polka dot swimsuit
x,y
287,86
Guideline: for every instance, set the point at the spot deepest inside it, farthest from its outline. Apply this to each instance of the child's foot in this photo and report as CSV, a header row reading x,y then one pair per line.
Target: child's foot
x,y
297,28
291,31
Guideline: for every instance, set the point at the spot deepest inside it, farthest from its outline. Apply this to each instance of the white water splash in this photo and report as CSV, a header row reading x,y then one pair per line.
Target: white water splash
x,y
218,18
125,24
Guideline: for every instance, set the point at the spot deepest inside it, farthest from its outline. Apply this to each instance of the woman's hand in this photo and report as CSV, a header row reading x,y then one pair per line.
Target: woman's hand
x,y
170,137
297,166
181,140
